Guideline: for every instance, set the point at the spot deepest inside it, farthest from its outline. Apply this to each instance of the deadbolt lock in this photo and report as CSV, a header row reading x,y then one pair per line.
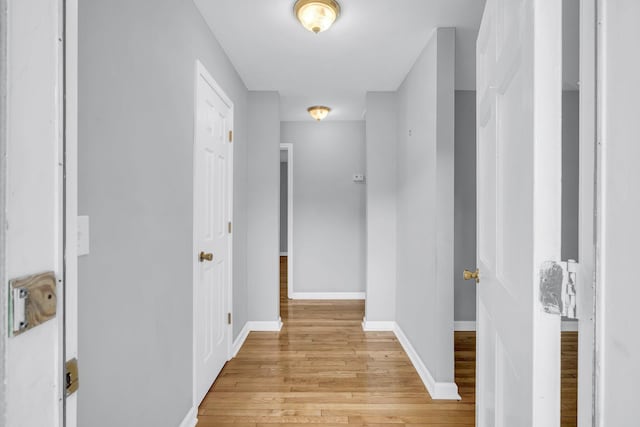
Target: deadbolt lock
x,y
469,275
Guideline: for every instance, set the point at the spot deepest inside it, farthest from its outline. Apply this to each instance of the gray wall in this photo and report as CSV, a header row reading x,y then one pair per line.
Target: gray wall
x,y
465,205
263,163
570,173
283,206
136,121
425,212
328,207
381,135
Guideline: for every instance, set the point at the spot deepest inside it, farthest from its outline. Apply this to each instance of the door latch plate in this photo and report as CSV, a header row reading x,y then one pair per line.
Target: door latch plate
x,y
71,378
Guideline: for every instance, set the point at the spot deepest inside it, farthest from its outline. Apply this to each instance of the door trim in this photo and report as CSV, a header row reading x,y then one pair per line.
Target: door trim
x,y
586,211
70,188
288,147
56,45
200,70
3,190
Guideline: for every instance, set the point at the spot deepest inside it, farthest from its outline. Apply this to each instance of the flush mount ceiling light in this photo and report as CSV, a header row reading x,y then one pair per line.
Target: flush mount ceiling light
x,y
316,15
318,112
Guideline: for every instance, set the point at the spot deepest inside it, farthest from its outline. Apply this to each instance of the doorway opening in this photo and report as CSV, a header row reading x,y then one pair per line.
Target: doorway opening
x,y
570,237
286,226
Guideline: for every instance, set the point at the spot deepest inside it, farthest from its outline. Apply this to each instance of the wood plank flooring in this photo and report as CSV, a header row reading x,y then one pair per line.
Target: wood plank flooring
x,y
322,369
569,379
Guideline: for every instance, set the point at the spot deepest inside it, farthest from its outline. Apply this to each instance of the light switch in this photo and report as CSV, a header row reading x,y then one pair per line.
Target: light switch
x,y
83,235
358,177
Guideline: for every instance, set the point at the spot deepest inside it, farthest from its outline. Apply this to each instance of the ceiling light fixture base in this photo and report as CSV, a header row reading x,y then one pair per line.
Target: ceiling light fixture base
x,y
316,15
318,112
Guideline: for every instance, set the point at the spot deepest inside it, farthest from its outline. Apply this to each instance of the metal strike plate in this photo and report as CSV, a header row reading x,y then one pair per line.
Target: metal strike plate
x,y
71,377
32,301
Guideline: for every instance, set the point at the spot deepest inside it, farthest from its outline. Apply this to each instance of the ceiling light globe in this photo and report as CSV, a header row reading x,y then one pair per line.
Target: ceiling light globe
x,y
318,112
316,15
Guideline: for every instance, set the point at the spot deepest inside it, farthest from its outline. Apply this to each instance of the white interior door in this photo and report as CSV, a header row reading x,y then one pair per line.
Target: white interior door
x,y
519,211
212,193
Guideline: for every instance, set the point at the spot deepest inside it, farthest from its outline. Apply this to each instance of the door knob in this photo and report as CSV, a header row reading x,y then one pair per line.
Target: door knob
x,y
468,275
206,256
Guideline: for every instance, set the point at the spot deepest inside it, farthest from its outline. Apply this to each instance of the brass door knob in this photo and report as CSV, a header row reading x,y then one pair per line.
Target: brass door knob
x,y
206,256
468,275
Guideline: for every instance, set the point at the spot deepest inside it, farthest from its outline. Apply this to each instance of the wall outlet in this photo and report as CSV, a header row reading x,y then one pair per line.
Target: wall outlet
x,y
358,177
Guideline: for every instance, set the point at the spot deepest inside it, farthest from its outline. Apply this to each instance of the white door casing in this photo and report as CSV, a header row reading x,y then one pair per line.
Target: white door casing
x,y
519,211
33,179
71,199
212,214
288,148
586,220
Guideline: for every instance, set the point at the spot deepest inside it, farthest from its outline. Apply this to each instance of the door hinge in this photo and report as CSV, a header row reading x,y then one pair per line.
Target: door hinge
x,y
569,282
71,378
229,227
230,136
229,318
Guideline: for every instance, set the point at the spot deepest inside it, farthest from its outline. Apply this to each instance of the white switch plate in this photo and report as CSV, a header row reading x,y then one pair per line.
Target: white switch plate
x,y
83,235
358,177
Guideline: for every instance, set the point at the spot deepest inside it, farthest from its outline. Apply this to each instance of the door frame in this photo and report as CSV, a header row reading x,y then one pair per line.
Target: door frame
x,y
66,123
70,201
288,147
3,182
587,211
201,71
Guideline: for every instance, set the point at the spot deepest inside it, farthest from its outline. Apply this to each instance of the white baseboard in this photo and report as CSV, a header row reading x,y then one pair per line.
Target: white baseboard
x,y
264,326
464,325
191,419
567,325
377,325
328,295
284,253
237,343
437,390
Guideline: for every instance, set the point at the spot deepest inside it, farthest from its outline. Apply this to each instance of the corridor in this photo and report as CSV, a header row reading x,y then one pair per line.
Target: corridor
x,y
323,369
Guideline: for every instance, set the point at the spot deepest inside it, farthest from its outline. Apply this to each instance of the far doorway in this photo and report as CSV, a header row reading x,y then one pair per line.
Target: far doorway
x,y
286,225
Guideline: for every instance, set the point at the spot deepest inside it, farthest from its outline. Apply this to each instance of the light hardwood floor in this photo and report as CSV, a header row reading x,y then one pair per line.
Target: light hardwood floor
x,y
323,369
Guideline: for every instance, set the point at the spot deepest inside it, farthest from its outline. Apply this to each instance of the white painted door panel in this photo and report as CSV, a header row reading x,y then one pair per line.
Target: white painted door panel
x,y
519,211
212,214
34,204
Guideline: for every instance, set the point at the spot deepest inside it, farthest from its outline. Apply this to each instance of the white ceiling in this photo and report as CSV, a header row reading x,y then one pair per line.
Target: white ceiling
x,y
371,47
